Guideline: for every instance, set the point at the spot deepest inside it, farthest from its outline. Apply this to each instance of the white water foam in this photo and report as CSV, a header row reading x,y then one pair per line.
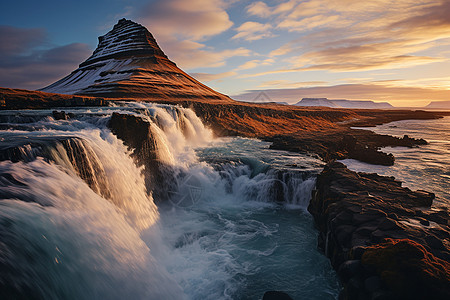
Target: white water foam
x,y
223,230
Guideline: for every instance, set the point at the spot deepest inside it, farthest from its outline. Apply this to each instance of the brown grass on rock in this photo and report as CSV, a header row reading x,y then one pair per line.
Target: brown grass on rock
x,y
409,270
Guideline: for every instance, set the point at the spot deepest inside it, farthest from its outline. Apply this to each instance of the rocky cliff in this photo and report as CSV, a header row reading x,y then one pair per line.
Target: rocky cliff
x,y
128,63
385,241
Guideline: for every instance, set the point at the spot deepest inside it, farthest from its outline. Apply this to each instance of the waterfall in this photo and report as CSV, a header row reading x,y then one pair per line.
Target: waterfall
x,y
175,165
73,212
77,205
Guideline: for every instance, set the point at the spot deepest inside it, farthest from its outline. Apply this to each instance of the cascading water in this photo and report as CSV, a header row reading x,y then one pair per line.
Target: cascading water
x,y
77,219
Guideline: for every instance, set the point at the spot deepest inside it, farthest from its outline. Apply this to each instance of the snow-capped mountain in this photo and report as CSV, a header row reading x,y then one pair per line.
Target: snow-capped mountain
x,y
129,63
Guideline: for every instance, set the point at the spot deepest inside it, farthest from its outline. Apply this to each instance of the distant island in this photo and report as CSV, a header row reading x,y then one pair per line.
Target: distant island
x,y
438,105
342,103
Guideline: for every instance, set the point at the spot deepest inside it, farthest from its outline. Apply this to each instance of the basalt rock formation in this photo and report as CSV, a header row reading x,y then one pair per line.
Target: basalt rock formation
x,y
128,63
137,134
385,241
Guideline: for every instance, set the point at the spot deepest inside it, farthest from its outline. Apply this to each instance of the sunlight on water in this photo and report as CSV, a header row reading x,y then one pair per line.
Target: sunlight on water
x,y
425,167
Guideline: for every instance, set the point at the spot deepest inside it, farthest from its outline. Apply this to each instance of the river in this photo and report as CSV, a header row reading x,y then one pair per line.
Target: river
x,y
77,220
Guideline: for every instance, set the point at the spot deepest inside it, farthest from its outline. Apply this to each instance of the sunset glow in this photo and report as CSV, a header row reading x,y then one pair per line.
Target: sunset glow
x,y
225,149
381,50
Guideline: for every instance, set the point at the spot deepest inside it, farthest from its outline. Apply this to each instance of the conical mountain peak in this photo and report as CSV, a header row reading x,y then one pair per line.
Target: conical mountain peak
x,y
128,63
126,39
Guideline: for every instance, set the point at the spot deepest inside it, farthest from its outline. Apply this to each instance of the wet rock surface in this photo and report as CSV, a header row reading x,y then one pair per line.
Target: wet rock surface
x,y
362,145
62,115
320,131
137,134
385,241
326,132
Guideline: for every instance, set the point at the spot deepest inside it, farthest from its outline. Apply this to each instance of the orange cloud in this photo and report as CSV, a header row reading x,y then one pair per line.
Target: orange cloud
x,y
196,19
180,28
351,35
310,23
363,57
261,9
206,77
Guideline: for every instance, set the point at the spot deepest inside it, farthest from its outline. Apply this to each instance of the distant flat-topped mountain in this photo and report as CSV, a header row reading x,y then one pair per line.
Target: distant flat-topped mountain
x,y
343,103
128,63
438,105
362,104
316,102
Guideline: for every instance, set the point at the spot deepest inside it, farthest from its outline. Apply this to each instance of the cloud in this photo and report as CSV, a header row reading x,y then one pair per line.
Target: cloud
x,y
262,10
251,31
259,9
284,49
27,61
396,95
206,77
310,23
368,56
433,22
182,27
18,40
255,63
351,35
285,84
190,55
195,19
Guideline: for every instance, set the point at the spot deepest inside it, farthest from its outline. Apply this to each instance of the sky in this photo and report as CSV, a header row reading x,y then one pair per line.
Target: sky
x,y
380,50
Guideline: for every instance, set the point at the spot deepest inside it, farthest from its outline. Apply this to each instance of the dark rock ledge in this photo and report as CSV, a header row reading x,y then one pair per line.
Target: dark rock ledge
x,y
362,145
385,241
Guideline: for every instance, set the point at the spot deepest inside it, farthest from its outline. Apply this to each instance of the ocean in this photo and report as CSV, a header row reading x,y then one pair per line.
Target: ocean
x,y
425,167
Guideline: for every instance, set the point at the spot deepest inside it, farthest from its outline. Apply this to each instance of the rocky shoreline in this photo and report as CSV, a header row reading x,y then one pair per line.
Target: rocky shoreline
x,y
324,132
385,241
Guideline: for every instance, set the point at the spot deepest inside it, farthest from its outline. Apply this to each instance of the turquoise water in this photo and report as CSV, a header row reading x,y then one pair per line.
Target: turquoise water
x,y
220,235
